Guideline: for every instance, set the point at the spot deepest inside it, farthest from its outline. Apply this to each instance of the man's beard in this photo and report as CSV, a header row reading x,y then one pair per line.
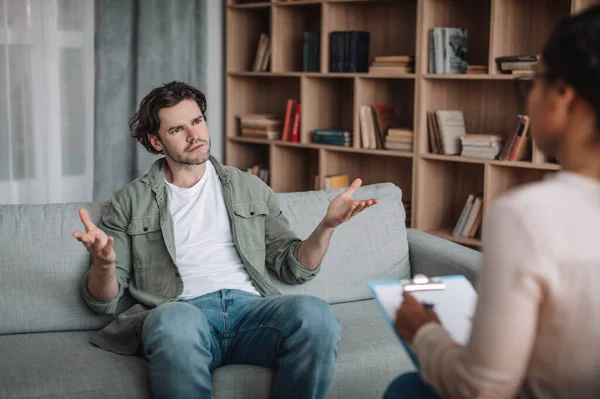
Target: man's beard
x,y
195,159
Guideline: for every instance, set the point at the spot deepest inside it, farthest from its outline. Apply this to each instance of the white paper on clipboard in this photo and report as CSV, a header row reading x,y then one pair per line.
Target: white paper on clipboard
x,y
455,305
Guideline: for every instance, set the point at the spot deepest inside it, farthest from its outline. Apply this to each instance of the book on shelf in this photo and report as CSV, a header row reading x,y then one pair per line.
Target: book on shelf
x,y
262,56
291,123
477,69
379,129
349,51
338,137
445,128
310,52
262,126
517,146
517,64
486,146
393,64
399,139
470,219
261,171
448,50
336,181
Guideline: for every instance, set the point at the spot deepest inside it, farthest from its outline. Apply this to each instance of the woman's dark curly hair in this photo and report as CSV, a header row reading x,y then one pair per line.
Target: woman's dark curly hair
x,y
146,121
572,54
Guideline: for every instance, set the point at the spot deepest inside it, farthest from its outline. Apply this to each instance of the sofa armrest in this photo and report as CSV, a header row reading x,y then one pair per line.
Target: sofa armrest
x,y
435,256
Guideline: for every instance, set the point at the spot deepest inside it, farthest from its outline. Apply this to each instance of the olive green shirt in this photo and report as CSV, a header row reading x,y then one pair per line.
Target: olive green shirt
x,y
139,220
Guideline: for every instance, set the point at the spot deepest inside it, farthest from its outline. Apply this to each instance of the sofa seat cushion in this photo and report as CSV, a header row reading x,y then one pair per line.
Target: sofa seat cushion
x,y
369,358
65,365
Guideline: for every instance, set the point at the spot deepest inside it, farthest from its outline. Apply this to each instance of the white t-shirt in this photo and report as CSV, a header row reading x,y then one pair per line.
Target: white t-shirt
x,y
205,253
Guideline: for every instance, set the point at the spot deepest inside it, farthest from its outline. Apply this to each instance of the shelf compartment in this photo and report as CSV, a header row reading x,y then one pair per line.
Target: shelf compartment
x,y
467,14
523,26
500,179
505,164
369,168
249,94
447,234
488,107
245,25
289,25
326,103
392,26
443,189
296,169
399,93
243,155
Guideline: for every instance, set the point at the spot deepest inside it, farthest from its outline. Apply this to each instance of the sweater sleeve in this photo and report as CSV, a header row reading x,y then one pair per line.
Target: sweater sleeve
x,y
494,362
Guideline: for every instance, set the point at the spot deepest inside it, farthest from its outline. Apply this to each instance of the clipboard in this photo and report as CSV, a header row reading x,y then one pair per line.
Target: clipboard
x,y
453,297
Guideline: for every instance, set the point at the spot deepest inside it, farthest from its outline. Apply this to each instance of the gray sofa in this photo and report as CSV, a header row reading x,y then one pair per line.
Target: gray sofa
x,y
45,325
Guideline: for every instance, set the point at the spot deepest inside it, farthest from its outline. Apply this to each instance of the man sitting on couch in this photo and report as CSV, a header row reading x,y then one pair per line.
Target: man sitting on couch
x,y
190,241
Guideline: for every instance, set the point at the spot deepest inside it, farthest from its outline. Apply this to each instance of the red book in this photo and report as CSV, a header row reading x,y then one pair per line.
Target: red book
x,y
288,124
296,129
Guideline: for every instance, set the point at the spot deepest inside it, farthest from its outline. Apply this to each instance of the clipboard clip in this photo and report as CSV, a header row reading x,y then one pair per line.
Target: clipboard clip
x,y
421,282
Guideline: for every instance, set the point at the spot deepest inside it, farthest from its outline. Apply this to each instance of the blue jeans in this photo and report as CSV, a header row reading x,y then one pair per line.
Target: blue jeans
x,y
410,386
185,340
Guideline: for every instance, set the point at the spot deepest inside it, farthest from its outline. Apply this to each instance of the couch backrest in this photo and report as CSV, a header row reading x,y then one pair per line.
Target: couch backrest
x,y
41,264
371,246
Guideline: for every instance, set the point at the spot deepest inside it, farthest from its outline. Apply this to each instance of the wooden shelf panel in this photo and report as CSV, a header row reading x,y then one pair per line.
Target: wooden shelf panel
x,y
506,164
296,168
444,190
446,233
442,76
289,25
408,76
467,14
326,104
392,26
258,95
370,168
245,154
249,6
245,25
523,26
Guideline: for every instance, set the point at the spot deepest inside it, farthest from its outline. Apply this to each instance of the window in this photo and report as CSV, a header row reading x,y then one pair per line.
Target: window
x,y
46,100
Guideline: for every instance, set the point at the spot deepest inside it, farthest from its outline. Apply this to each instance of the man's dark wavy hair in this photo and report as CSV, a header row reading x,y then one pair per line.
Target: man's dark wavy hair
x,y
572,54
146,121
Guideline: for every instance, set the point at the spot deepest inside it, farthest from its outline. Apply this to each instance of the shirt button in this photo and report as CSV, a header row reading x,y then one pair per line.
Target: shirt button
x,y
145,229
177,274
251,213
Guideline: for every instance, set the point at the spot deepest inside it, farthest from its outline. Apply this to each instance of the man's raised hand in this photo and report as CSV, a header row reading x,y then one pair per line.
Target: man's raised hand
x,y
98,244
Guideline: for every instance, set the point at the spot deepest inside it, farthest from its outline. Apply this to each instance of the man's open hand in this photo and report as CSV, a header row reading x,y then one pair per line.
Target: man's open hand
x,y
343,207
98,244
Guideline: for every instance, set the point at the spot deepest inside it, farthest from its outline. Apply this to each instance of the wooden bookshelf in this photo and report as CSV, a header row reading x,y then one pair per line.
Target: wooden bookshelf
x,y
437,185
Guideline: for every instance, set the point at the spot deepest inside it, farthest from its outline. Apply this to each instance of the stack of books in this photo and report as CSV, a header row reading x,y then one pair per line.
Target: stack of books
x,y
486,146
260,171
470,218
375,121
477,69
517,146
399,139
339,137
260,126
448,50
263,54
518,64
349,51
445,128
393,64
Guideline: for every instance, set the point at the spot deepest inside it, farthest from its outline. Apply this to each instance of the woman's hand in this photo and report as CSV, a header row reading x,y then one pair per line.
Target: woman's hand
x,y
411,316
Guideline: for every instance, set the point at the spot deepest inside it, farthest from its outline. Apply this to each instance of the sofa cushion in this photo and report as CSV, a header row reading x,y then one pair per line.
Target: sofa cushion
x,y
371,246
41,265
67,366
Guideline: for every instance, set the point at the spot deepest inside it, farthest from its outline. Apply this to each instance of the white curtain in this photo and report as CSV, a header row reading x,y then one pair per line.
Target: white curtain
x,y
46,101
